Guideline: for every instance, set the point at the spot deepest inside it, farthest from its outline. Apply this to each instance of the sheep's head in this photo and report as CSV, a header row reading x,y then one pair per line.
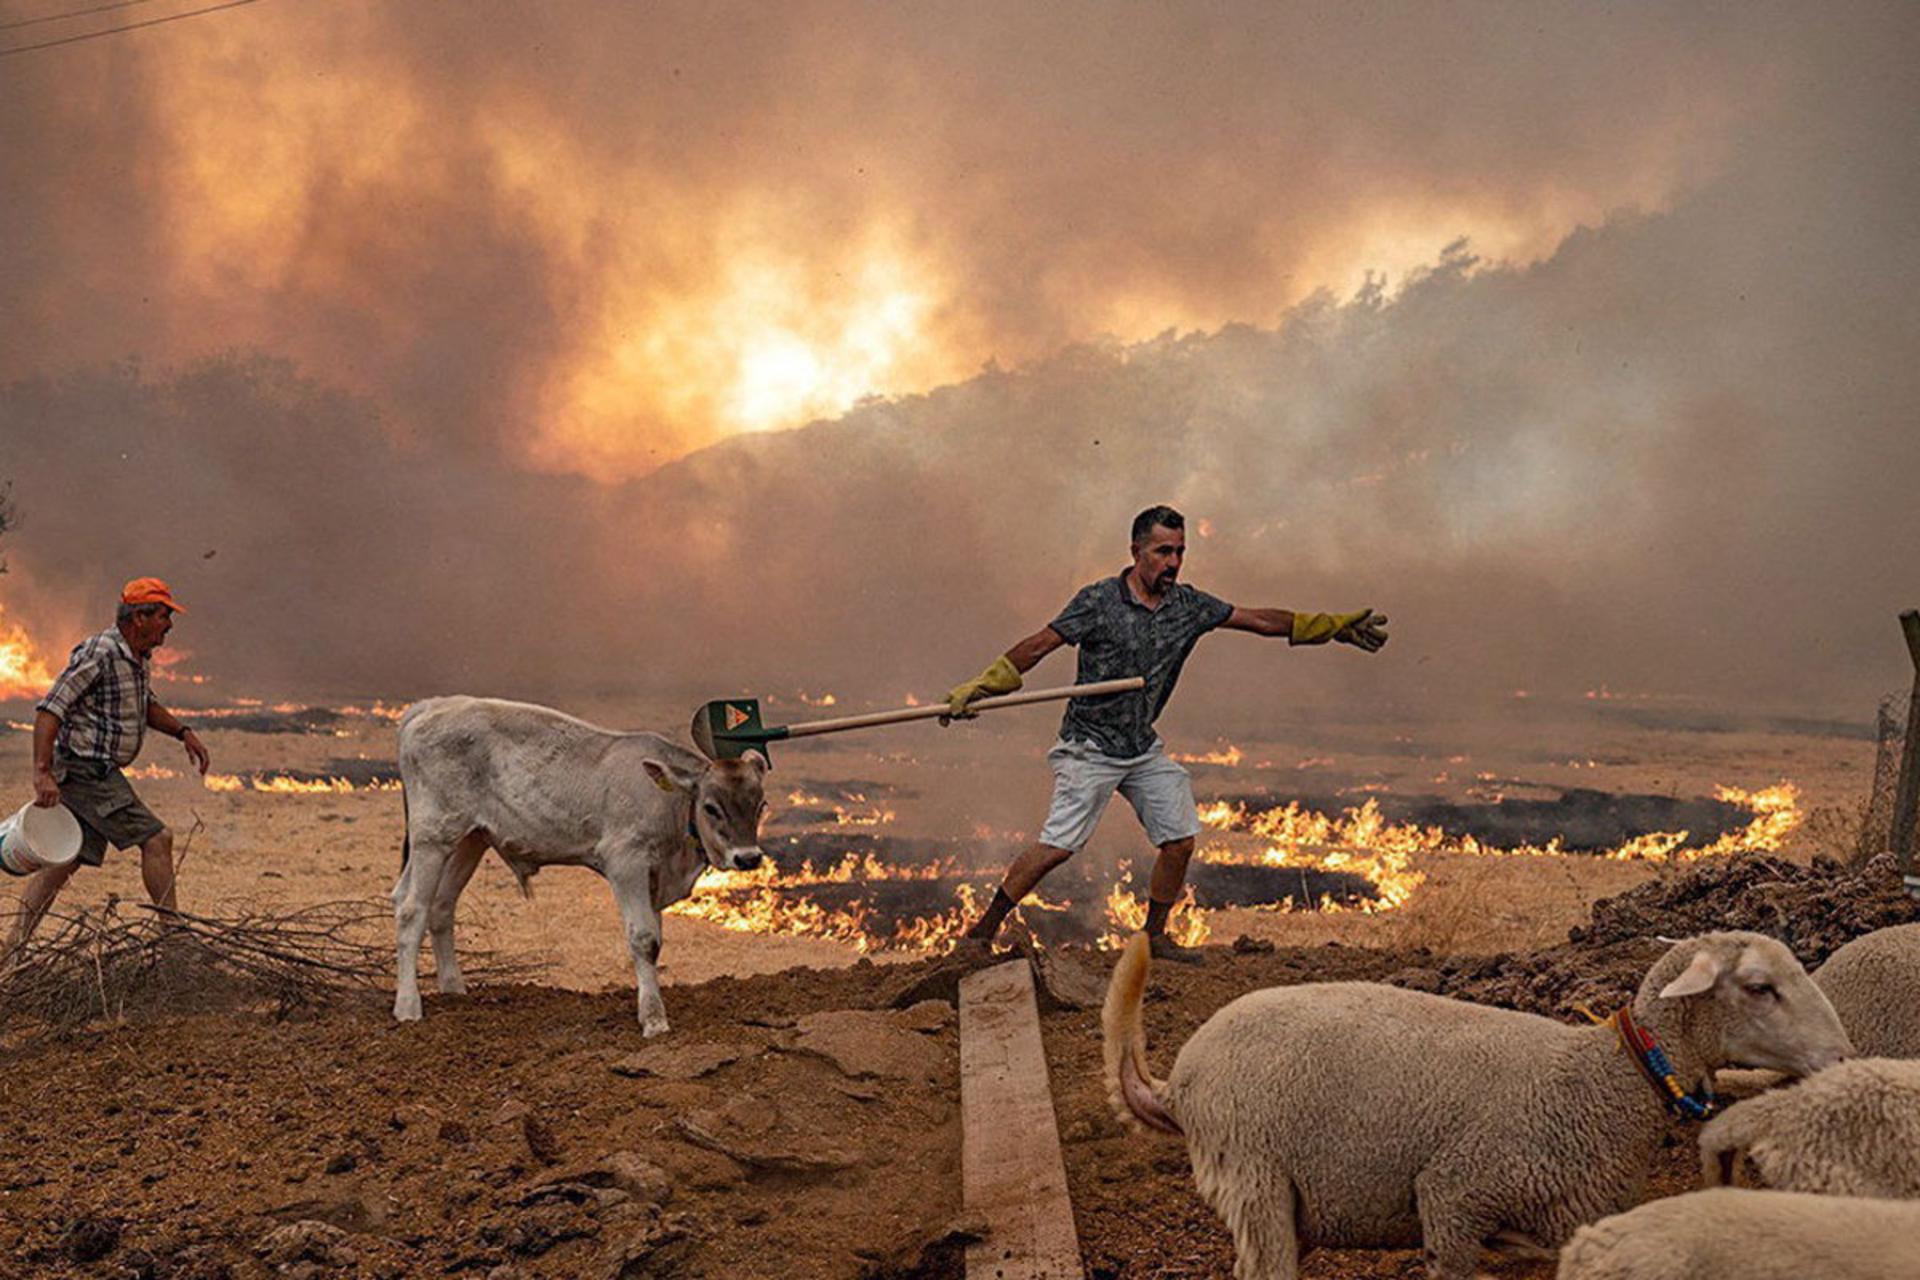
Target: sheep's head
x,y
1741,999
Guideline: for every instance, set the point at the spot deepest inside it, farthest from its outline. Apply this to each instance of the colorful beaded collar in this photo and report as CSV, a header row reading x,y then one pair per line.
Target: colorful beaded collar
x,y
1652,1060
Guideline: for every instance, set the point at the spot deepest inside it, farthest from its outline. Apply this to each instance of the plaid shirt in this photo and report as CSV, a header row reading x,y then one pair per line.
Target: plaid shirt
x,y
101,700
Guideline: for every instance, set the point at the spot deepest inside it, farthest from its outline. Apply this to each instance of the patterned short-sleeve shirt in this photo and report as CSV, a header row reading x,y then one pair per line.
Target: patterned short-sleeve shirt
x,y
101,700
1117,637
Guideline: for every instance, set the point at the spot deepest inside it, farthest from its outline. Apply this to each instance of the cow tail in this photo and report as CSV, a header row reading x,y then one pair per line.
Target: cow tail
x,y
406,827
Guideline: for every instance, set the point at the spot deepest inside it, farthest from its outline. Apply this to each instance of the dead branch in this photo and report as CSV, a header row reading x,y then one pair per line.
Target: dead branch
x,y
107,964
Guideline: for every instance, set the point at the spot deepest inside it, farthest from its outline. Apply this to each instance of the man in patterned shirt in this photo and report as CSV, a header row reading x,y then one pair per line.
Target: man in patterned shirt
x,y
1144,622
87,729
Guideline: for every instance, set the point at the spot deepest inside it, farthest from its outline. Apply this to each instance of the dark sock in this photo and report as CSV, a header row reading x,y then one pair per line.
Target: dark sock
x,y
989,924
1157,913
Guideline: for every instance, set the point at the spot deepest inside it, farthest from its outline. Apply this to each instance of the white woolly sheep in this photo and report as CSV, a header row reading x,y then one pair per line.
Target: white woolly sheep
x,y
1851,1130
1727,1234
1357,1115
1874,984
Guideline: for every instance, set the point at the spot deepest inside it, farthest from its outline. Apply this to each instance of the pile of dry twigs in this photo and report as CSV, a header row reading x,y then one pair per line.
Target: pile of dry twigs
x,y
114,966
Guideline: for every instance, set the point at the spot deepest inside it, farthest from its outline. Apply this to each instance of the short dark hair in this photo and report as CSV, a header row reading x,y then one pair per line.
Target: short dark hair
x,y
1164,516
125,611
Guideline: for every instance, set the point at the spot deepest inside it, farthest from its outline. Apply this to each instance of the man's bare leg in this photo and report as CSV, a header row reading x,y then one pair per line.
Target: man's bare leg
x,y
42,887
1163,891
1170,871
1026,871
156,868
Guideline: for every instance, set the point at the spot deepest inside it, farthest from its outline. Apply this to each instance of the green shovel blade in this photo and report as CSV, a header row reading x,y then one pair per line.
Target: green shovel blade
x,y
730,727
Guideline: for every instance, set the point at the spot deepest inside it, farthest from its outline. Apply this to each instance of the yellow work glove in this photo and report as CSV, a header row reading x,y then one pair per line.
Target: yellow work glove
x,y
1363,630
998,678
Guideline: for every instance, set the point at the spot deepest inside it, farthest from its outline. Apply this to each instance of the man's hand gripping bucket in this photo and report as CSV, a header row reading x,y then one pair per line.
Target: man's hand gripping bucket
x,y
33,838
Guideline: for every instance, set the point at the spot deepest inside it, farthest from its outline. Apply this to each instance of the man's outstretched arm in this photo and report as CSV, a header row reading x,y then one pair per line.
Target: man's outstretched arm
x,y
1027,654
1003,673
1364,630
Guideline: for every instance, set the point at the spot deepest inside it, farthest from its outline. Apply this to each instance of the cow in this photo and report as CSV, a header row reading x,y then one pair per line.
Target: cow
x,y
542,788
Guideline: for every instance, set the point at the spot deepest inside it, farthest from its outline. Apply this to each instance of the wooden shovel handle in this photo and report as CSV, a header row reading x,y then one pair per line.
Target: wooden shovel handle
x,y
1020,699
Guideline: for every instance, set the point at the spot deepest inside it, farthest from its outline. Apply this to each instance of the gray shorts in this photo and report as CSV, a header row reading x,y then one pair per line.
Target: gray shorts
x,y
109,811
1085,778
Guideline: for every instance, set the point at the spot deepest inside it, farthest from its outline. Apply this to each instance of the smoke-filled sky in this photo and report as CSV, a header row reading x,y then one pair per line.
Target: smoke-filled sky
x,y
474,345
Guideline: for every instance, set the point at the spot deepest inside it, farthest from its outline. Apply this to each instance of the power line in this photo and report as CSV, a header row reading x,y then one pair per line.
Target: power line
x,y
72,13
131,26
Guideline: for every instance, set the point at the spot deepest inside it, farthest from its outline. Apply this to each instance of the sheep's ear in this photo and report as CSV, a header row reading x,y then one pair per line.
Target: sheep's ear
x,y
1700,976
668,778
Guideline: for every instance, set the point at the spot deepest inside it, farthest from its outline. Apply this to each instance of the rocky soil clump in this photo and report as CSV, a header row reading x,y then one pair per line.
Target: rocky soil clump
x,y
1813,909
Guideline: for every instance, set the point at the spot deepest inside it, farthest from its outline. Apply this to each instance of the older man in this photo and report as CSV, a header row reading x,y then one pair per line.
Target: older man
x,y
87,729
1142,622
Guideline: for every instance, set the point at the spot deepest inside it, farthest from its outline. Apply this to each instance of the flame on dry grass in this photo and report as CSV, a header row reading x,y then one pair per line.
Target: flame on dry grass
x,y
1359,841
281,784
1127,915
1228,755
760,902
1362,842
375,710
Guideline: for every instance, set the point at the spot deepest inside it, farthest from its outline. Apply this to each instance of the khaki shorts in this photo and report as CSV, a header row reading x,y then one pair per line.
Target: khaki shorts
x,y
102,798
1085,778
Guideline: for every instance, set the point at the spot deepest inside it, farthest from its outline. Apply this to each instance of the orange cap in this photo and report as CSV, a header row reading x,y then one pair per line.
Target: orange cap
x,y
150,591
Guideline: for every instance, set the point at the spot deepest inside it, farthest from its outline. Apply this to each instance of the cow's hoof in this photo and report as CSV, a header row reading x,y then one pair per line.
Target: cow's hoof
x,y
453,986
655,1026
406,1008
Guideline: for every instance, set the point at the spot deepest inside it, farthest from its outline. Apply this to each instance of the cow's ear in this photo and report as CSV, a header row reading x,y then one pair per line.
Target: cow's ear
x,y
669,778
759,759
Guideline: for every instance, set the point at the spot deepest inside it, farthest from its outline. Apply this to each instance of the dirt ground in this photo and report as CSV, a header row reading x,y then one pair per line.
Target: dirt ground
x,y
796,1122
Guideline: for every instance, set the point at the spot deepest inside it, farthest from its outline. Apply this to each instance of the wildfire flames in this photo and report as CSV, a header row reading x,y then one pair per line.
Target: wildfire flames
x,y
1358,842
23,673
1230,756
1127,915
286,784
762,901
1363,842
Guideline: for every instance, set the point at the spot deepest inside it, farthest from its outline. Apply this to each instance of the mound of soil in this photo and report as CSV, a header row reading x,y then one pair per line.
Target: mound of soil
x,y
1813,909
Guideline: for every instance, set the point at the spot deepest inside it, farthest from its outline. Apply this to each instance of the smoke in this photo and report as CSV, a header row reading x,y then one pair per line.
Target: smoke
x,y
597,236
454,343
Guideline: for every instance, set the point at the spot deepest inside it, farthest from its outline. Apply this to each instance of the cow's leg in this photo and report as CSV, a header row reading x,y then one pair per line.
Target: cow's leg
x,y
632,892
427,857
453,879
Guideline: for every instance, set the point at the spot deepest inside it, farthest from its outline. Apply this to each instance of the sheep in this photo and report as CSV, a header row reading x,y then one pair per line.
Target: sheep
x,y
1725,1234
1874,985
1851,1130
1357,1115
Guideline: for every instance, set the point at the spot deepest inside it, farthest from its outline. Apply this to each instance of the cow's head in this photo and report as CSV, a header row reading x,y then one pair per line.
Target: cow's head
x,y
728,803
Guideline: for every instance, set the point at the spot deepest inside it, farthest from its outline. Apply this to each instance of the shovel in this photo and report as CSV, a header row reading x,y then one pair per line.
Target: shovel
x,y
730,727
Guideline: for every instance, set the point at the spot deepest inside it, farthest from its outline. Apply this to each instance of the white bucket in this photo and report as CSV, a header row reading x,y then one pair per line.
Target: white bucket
x,y
34,838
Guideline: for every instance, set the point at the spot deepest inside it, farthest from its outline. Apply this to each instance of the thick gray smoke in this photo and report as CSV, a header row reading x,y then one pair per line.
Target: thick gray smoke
x,y
1675,455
